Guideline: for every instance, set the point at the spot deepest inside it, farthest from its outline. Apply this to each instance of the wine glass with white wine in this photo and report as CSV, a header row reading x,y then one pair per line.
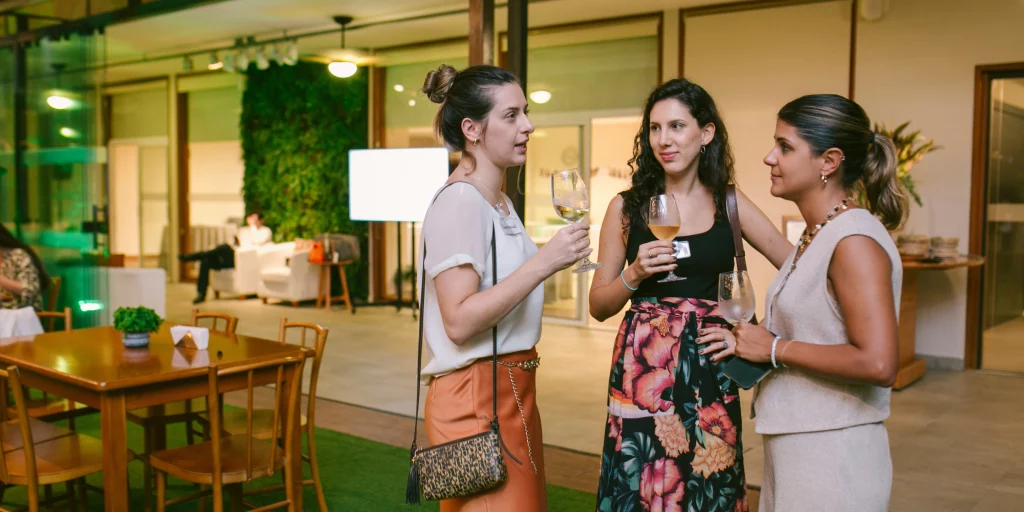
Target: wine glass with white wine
x,y
736,300
663,219
569,196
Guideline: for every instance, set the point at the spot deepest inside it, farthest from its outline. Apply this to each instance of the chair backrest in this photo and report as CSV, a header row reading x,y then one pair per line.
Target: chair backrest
x,y
10,379
52,294
317,337
288,369
47,317
230,322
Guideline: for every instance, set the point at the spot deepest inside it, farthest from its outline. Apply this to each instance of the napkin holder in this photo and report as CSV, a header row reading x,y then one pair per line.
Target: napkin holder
x,y
195,338
187,341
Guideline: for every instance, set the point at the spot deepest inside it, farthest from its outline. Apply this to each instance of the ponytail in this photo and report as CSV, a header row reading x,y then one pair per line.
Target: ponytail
x,y
886,196
869,160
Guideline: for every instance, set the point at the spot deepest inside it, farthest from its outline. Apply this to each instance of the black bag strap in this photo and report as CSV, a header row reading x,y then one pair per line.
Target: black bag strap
x,y
732,211
494,332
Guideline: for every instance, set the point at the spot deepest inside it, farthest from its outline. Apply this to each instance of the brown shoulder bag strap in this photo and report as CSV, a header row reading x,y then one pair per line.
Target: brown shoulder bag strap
x,y
734,223
733,212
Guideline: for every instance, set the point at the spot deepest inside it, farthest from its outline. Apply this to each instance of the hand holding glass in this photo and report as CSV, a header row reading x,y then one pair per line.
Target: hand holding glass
x,y
736,301
663,219
569,196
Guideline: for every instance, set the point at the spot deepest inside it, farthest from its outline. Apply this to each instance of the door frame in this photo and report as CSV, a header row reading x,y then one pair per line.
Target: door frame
x,y
583,119
139,143
983,76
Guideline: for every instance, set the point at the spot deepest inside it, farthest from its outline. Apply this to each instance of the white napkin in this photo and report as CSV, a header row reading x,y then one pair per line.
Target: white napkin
x,y
187,358
201,335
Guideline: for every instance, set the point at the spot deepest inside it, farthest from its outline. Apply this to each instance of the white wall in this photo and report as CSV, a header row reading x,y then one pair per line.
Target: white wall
x,y
754,62
215,182
917,63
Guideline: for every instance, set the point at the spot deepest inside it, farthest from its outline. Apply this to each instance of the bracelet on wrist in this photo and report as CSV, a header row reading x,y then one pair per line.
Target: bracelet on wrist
x,y
775,343
781,361
622,275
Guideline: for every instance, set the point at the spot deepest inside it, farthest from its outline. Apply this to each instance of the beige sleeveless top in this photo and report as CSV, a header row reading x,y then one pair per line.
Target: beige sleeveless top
x,y
800,306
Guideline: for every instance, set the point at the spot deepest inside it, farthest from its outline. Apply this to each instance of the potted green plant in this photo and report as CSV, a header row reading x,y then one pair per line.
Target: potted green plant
x,y
911,147
136,324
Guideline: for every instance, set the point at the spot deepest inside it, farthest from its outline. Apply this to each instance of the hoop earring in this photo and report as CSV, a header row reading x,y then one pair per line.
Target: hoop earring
x,y
824,180
703,147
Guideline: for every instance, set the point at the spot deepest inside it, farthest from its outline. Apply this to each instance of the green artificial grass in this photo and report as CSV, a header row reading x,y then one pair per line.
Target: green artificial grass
x,y
358,475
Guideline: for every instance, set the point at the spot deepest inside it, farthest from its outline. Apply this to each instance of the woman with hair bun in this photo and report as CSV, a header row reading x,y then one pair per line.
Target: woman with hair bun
x,y
830,326
483,115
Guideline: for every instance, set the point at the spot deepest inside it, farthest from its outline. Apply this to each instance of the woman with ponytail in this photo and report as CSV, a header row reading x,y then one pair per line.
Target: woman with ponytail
x,y
830,327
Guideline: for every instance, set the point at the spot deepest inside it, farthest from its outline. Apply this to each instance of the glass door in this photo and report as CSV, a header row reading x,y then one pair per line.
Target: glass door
x,y
1003,303
552,149
611,147
140,213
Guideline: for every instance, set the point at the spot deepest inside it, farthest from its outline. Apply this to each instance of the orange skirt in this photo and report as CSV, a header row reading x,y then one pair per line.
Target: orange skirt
x,y
459,405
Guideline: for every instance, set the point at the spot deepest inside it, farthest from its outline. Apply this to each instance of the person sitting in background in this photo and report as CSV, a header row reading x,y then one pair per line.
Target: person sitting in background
x,y
22,276
222,257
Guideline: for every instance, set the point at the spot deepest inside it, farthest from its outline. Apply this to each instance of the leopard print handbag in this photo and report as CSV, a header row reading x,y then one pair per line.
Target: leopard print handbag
x,y
467,466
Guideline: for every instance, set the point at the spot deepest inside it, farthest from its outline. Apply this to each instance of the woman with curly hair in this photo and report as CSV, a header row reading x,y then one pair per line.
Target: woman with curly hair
x,y
673,435
23,279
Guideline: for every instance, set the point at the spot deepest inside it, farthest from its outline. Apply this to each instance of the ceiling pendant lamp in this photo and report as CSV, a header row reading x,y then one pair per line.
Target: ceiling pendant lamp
x,y
342,68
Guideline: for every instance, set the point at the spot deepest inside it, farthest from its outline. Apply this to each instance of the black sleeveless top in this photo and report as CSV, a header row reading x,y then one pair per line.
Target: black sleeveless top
x,y
711,253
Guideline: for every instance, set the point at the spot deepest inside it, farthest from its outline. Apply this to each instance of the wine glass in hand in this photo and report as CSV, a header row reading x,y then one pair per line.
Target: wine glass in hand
x,y
663,219
736,300
569,196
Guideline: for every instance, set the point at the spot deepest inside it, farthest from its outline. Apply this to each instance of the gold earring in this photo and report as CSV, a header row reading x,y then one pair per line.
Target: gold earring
x,y
475,141
824,179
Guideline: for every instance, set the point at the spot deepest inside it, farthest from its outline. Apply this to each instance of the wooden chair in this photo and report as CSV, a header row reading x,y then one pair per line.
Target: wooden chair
x,y
235,422
58,456
51,299
188,412
52,408
230,322
229,461
50,316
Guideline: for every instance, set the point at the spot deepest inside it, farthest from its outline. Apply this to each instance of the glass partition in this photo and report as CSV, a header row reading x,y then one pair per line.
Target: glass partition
x,y
56,199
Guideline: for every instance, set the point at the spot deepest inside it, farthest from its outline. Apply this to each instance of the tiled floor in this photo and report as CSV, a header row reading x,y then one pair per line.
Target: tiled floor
x,y
957,439
1003,347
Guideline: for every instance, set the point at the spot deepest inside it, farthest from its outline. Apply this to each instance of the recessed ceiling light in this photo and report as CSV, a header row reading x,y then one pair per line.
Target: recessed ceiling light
x,y
540,96
412,103
59,102
399,87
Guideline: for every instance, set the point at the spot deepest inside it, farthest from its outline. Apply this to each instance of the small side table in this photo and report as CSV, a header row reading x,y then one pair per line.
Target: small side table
x,y
912,368
323,296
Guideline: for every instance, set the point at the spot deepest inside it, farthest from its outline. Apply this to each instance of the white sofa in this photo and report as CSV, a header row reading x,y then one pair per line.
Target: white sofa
x,y
287,275
244,279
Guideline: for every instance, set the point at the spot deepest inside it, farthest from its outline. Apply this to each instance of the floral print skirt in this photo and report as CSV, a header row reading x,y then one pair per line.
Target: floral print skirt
x,y
672,441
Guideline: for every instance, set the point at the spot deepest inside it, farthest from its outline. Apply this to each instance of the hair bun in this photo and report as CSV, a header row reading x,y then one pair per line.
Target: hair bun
x,y
438,83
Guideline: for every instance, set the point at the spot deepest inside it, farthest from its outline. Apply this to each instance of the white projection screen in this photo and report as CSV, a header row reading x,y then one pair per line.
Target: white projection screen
x,y
394,185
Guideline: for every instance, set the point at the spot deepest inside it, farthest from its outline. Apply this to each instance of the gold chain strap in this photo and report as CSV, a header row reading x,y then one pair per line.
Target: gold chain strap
x,y
527,366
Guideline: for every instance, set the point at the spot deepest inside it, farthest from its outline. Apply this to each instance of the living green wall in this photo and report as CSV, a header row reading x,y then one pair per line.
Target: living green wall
x,y
298,125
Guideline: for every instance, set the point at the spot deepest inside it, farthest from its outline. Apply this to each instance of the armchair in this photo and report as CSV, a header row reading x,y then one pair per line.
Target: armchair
x,y
286,274
244,279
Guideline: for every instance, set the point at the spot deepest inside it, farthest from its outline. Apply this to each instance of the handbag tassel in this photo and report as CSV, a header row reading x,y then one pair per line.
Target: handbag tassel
x,y
412,485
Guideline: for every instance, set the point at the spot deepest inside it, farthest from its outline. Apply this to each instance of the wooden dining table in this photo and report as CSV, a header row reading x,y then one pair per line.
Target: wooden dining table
x,y
92,366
